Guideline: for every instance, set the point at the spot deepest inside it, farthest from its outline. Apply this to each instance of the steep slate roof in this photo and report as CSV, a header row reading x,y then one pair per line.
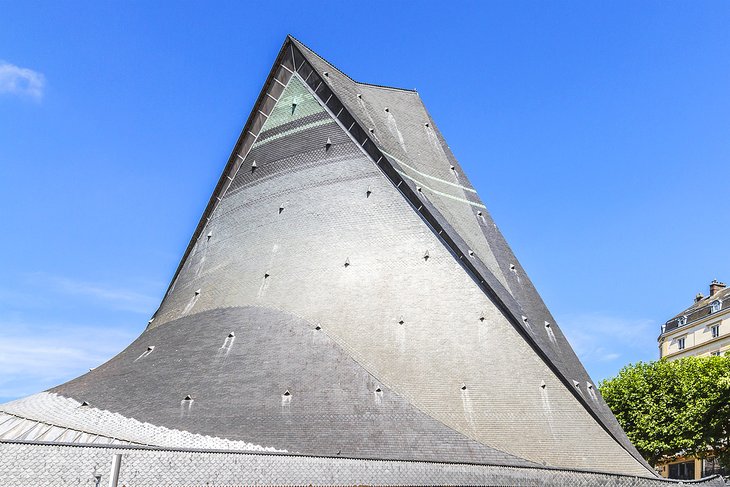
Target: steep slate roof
x,y
345,292
361,418
408,137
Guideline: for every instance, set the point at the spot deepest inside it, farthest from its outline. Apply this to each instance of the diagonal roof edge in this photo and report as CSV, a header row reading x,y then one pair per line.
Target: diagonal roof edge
x,y
301,45
566,357
477,270
431,216
229,168
527,289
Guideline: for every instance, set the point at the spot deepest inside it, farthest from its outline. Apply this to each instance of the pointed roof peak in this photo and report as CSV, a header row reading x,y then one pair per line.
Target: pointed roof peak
x,y
321,79
307,50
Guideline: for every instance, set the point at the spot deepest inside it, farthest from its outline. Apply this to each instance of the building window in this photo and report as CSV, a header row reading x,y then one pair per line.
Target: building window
x,y
715,353
715,306
715,331
682,320
680,343
682,471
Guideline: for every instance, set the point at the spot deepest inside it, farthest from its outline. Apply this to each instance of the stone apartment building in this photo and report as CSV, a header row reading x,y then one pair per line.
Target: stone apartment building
x,y
701,330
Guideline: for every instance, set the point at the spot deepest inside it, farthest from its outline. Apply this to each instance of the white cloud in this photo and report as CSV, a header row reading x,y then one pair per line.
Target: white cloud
x,y
605,343
120,298
53,329
609,356
15,80
36,357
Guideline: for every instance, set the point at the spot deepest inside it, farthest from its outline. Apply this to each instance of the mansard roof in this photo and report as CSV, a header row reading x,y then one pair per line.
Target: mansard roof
x,y
699,310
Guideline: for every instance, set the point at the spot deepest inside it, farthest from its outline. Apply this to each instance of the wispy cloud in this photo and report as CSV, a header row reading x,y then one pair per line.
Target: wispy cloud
x,y
605,343
36,357
15,80
55,328
120,298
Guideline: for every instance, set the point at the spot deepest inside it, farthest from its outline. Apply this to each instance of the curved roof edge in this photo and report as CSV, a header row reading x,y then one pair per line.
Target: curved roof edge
x,y
474,267
422,206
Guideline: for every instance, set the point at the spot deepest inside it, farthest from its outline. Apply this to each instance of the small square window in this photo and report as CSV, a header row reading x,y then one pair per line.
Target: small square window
x,y
715,331
680,343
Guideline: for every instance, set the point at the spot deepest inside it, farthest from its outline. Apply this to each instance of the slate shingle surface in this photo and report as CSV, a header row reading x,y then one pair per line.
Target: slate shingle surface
x,y
238,388
25,465
305,317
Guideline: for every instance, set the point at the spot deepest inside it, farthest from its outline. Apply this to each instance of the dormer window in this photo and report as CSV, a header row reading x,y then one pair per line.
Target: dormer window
x,y
715,306
682,320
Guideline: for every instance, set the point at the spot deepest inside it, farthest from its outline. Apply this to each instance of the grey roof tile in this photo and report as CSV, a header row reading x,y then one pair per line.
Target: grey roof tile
x,y
429,159
368,360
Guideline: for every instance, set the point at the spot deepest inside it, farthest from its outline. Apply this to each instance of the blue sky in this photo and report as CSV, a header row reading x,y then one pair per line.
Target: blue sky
x,y
598,134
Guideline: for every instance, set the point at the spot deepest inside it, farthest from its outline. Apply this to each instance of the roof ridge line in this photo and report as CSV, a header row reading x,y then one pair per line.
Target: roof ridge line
x,y
385,87
491,289
210,206
395,88
466,264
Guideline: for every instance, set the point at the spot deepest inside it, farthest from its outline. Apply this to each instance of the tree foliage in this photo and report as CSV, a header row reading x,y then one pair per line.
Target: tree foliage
x,y
668,408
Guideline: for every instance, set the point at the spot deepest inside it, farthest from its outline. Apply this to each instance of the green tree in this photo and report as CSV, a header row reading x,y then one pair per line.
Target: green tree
x,y
674,407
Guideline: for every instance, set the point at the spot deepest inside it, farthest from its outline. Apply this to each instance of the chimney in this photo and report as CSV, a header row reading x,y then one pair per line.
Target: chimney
x,y
716,286
699,297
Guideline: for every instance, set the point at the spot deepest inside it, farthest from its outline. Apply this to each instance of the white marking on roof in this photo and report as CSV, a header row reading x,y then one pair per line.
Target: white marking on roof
x,y
428,175
293,131
446,195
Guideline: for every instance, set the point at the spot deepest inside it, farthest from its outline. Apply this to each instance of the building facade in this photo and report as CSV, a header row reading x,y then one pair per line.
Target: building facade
x,y
703,329
689,468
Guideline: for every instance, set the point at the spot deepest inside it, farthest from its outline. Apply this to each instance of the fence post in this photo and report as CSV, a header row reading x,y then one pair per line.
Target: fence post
x,y
114,474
